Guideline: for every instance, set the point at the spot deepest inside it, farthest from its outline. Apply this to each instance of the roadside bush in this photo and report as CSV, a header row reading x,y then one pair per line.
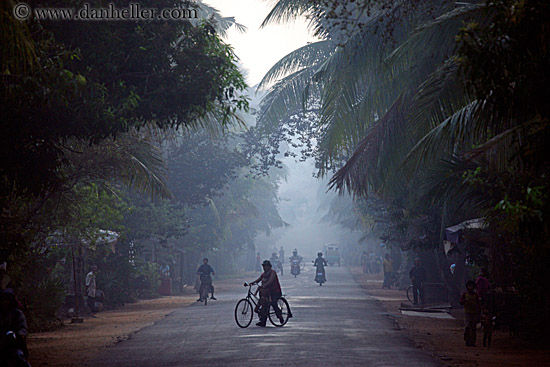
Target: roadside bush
x,y
148,280
42,301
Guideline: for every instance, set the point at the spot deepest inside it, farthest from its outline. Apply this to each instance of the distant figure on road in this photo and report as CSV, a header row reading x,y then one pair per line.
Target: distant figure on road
x,y
320,264
91,288
204,272
470,301
282,255
418,278
270,292
273,258
258,263
388,271
364,262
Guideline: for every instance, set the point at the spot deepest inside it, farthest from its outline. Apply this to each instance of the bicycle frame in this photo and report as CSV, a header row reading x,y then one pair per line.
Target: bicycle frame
x,y
252,296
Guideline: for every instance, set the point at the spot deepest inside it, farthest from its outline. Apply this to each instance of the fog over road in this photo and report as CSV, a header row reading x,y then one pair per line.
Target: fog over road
x,y
337,324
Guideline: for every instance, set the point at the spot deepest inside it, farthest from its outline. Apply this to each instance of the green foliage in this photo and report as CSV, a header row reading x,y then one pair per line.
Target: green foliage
x,y
86,110
44,300
149,273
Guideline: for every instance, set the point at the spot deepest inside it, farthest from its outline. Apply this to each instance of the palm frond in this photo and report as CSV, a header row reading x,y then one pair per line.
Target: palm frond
x,y
285,98
362,171
17,49
462,127
437,98
132,159
437,35
286,10
221,24
306,56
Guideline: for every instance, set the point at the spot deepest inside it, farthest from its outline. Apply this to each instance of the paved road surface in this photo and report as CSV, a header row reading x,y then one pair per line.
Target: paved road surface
x,y
337,324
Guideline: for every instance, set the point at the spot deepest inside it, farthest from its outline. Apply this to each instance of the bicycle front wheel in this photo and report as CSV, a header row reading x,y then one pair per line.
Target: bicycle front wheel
x,y
244,312
285,312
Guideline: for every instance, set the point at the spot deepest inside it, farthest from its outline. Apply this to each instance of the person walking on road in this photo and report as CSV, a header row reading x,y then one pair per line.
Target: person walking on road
x,y
388,271
282,255
418,277
270,292
91,287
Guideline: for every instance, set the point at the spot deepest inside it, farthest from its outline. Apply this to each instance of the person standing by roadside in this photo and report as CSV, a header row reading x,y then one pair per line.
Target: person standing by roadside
x,y
418,277
91,287
388,271
470,301
482,286
487,326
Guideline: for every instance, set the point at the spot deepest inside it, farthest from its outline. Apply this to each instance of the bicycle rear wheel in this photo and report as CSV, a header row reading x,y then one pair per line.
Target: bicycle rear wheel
x,y
244,312
285,311
204,294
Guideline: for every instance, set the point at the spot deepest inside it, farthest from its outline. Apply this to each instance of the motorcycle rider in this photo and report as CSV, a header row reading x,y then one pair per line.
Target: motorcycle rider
x,y
204,272
270,292
320,264
295,260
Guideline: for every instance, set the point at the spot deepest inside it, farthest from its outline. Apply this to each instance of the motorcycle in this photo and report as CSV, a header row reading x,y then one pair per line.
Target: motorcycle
x,y
11,351
295,267
320,275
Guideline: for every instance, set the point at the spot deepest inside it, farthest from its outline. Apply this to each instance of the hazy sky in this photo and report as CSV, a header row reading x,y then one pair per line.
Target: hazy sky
x,y
258,49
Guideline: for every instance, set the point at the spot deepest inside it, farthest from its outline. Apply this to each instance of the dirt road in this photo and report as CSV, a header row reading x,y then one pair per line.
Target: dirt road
x,y
338,324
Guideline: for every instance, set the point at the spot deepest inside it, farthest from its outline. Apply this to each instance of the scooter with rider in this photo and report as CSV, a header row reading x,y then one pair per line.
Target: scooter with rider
x,y
320,263
295,260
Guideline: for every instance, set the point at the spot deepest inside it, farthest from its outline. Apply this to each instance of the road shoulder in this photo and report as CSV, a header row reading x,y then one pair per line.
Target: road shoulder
x,y
442,338
76,344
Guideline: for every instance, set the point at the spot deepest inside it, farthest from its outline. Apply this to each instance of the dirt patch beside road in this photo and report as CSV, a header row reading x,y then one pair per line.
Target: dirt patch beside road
x,y
443,337
75,344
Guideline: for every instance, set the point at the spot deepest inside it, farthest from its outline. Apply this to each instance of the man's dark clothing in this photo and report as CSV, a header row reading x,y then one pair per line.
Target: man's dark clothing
x,y
206,280
205,269
418,277
90,301
269,295
320,264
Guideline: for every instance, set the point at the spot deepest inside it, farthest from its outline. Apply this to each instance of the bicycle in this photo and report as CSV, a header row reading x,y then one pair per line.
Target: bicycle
x,y
244,310
204,290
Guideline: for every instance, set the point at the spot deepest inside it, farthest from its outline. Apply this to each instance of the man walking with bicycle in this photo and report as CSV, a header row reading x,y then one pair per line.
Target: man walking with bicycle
x,y
206,280
270,292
